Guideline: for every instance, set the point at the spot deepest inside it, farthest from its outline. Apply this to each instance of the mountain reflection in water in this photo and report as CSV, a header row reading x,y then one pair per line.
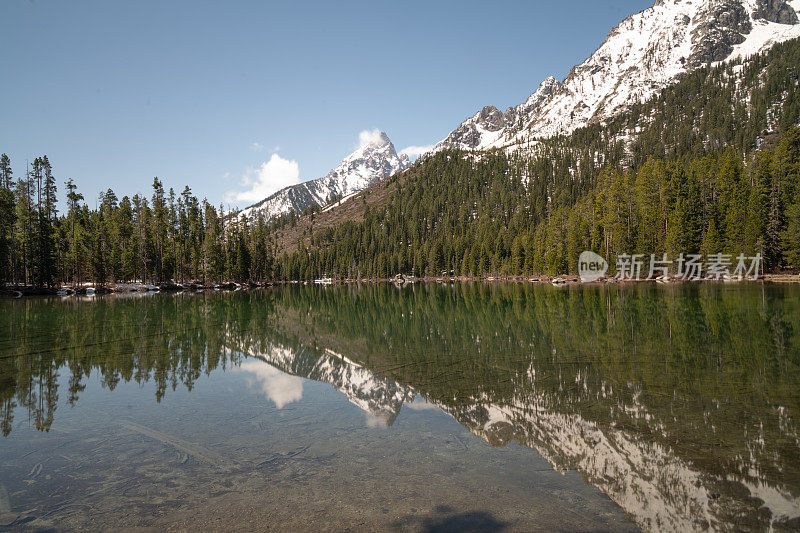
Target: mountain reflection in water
x,y
679,403
379,397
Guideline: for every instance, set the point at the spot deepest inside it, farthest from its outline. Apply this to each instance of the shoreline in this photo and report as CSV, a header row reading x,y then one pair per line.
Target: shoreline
x,y
17,291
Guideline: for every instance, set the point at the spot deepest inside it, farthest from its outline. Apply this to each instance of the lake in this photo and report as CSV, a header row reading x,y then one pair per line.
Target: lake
x,y
431,407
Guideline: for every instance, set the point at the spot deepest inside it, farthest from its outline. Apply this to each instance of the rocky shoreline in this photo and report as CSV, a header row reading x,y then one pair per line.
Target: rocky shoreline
x,y
563,279
19,291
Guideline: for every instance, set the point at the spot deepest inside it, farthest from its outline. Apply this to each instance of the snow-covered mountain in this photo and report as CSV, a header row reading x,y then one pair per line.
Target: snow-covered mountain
x,y
642,55
373,161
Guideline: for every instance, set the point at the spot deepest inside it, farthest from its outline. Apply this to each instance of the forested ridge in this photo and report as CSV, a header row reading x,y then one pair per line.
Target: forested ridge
x,y
712,164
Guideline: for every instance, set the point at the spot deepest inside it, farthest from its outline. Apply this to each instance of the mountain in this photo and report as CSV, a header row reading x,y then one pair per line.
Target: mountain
x,y
642,176
643,54
684,134
373,161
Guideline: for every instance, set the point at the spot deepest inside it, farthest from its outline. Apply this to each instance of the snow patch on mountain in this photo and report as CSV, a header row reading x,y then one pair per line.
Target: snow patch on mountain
x,y
646,52
765,34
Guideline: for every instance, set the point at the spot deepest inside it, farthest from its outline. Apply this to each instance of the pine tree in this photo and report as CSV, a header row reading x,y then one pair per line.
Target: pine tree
x,y
126,234
786,170
73,210
733,200
775,217
649,190
755,233
24,235
112,246
436,262
140,220
44,265
159,225
97,249
791,235
7,219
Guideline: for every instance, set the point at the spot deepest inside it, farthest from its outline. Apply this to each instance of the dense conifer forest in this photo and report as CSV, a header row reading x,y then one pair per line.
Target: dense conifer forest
x,y
168,236
710,165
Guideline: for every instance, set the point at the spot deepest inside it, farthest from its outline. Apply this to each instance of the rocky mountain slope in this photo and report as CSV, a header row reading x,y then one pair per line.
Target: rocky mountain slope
x,y
642,55
370,163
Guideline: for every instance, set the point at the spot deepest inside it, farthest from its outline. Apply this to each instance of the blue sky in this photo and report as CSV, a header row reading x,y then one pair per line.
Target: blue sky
x,y
219,95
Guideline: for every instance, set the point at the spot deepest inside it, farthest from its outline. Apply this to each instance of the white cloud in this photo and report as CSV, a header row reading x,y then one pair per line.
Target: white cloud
x,y
377,420
415,151
278,386
257,146
270,177
368,137
420,404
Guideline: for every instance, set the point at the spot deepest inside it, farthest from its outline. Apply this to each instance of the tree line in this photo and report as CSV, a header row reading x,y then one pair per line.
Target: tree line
x,y
166,237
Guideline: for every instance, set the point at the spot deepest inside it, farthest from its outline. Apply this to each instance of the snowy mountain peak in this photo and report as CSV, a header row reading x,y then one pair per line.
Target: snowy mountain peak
x,y
374,146
374,159
545,89
646,52
375,138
